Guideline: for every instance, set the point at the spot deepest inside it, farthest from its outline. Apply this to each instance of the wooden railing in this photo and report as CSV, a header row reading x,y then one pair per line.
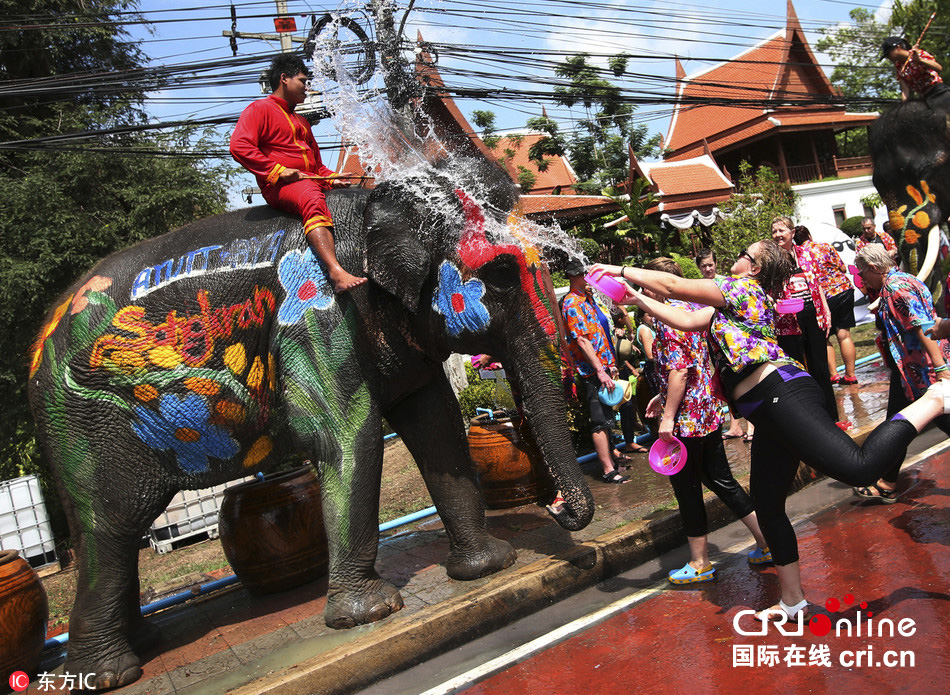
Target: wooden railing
x,y
843,167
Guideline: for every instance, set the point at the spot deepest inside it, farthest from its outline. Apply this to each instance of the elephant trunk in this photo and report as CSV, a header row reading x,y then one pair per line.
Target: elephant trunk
x,y
546,411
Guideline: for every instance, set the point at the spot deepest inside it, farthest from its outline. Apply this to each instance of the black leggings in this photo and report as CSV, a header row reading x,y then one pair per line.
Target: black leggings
x,y
706,464
811,349
897,400
792,425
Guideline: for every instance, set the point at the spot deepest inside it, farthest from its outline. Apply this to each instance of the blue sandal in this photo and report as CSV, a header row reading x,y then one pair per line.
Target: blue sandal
x,y
689,575
759,556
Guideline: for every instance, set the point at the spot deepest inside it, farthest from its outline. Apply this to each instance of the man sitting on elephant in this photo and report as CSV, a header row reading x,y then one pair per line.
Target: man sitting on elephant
x,y
277,146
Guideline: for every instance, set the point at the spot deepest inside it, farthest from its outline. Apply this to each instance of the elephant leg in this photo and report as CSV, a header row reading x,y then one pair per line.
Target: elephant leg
x,y
356,594
106,626
430,425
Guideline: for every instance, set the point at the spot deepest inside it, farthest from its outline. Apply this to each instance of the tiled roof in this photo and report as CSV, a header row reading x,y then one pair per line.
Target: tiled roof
x,y
735,96
686,177
512,152
565,206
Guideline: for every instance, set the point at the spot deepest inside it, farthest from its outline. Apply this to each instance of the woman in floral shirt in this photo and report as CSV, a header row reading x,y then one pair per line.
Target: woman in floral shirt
x,y
836,283
772,391
916,361
803,335
689,410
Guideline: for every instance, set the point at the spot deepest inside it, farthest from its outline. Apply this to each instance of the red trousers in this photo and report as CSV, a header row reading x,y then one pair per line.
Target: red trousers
x,y
304,198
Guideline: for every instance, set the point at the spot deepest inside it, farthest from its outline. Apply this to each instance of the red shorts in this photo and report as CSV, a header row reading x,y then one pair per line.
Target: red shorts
x,y
304,198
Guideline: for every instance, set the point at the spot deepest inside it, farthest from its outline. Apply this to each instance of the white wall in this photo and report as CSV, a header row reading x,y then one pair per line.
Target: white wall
x,y
818,200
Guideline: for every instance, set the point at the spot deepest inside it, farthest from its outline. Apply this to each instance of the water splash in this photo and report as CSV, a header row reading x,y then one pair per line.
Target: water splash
x,y
407,150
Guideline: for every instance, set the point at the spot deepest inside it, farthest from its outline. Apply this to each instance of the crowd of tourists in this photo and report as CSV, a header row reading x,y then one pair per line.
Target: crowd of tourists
x,y
754,344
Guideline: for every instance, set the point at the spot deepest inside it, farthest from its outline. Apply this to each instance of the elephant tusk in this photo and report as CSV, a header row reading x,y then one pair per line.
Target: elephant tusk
x,y
933,246
872,307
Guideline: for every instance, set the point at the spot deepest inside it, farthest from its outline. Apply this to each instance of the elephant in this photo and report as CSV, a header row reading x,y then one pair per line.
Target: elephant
x,y
910,151
218,350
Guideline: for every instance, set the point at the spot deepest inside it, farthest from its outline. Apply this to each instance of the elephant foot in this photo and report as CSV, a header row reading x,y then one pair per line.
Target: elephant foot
x,y
491,556
144,636
107,673
372,601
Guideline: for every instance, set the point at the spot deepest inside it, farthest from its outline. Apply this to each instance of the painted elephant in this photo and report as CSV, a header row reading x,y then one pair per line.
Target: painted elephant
x,y
910,149
217,350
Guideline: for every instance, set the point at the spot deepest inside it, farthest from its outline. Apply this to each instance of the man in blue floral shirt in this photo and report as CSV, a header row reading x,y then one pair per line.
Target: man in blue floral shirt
x,y
594,360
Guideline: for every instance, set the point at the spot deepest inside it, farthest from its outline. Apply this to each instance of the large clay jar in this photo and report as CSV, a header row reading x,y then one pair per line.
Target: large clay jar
x,y
272,531
506,461
24,612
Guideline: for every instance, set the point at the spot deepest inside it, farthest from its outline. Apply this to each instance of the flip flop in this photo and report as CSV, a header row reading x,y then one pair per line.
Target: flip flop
x,y
635,449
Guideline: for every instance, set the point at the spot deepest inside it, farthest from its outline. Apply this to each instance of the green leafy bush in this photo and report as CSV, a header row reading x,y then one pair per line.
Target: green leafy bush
x,y
852,226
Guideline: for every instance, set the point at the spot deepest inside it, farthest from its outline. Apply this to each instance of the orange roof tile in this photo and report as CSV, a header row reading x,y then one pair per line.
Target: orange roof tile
x,y
512,152
566,206
770,79
686,177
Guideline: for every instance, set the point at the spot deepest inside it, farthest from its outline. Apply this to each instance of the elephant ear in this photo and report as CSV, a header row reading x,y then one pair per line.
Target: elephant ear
x,y
398,247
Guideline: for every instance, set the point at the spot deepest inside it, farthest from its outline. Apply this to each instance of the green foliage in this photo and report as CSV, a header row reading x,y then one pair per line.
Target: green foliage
x,y
483,393
859,72
908,19
872,200
852,226
65,207
485,121
852,143
760,197
687,265
590,248
551,145
526,178
559,279
599,148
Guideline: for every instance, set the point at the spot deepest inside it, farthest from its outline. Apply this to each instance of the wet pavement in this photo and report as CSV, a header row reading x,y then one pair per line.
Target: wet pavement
x,y
233,641
880,575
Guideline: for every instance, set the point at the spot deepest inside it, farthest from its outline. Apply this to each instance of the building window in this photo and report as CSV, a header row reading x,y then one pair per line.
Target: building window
x,y
869,211
840,215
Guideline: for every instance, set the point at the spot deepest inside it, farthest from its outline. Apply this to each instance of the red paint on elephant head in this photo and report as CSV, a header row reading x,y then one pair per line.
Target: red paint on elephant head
x,y
475,251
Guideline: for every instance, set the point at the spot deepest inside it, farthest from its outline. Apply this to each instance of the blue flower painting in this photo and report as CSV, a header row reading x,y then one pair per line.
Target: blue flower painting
x,y
460,302
182,425
306,285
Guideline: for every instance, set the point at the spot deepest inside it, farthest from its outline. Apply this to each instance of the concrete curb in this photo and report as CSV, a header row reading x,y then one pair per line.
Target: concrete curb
x,y
402,641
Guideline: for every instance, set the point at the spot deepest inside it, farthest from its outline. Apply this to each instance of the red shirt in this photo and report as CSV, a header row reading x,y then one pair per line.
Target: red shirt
x,y
270,137
919,77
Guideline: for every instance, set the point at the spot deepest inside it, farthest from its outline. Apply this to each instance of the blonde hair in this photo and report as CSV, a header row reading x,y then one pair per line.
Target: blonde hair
x,y
787,221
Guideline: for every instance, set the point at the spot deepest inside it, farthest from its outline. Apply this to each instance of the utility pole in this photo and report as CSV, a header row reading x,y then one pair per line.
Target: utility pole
x,y
395,67
284,24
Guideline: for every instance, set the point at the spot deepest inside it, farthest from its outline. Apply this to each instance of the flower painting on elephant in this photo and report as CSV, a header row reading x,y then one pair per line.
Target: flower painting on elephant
x,y
196,375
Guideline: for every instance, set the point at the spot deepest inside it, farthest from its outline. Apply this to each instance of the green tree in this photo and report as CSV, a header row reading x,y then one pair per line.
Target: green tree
x,y
760,196
64,206
599,147
908,19
863,78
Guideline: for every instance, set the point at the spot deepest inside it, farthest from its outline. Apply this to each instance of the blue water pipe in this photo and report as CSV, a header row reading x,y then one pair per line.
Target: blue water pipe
x,y
224,582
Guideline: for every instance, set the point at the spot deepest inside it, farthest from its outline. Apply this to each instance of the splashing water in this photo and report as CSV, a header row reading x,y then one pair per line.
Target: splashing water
x,y
407,151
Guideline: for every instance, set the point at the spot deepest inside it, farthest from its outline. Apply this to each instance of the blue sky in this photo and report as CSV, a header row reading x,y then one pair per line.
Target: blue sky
x,y
700,33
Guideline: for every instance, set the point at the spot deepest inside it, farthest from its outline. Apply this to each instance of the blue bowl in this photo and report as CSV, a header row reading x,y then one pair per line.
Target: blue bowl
x,y
612,397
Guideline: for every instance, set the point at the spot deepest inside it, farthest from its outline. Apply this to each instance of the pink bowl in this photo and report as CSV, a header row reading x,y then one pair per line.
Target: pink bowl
x,y
789,306
608,285
667,457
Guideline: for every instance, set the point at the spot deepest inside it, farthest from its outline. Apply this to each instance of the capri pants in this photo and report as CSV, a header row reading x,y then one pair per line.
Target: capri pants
x,y
792,425
706,464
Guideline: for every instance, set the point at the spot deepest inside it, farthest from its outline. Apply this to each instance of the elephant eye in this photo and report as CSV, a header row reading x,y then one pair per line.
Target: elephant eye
x,y
501,273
